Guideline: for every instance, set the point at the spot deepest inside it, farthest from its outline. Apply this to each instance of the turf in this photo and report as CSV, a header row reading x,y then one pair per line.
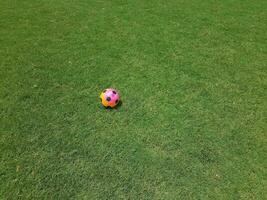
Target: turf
x,y
192,77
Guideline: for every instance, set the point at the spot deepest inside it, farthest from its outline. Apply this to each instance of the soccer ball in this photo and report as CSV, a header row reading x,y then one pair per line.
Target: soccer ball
x,y
109,98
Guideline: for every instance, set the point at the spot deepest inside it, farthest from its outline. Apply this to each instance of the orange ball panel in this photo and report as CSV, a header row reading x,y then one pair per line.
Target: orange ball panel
x,y
104,101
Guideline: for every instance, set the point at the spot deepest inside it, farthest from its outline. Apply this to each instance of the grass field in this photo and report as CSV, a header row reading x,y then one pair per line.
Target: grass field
x,y
193,80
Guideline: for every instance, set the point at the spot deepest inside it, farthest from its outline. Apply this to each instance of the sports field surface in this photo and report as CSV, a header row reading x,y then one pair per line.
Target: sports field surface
x,y
192,76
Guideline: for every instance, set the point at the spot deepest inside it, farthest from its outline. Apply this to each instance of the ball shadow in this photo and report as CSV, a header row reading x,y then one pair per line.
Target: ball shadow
x,y
118,105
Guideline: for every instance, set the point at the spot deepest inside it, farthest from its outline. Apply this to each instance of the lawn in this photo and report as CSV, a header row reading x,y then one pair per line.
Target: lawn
x,y
193,81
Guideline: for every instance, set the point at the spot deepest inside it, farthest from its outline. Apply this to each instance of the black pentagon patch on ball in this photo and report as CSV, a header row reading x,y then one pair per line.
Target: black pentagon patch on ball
x,y
108,98
116,101
114,92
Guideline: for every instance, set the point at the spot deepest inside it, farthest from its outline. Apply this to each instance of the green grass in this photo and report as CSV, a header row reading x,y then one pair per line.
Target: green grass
x,y
192,77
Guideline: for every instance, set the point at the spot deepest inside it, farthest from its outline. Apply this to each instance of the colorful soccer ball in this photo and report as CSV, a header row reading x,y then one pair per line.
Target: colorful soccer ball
x,y
109,98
